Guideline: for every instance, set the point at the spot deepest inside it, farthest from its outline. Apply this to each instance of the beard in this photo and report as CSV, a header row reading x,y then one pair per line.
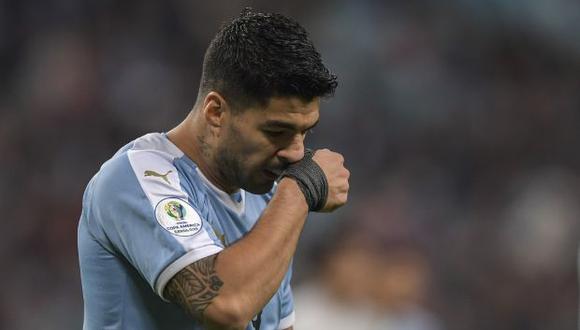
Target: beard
x,y
233,158
232,169
229,167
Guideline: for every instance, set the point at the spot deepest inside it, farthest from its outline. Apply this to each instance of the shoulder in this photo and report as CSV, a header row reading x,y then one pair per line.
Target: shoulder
x,y
152,156
143,168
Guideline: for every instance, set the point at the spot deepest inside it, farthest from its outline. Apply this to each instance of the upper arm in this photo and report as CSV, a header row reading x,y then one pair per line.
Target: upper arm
x,y
195,287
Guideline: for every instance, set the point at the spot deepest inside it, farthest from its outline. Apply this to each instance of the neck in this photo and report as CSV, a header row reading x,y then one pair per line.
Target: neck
x,y
191,137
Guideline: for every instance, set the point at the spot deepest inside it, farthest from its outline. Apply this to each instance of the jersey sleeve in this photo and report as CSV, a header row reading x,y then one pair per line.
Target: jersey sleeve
x,y
286,302
139,211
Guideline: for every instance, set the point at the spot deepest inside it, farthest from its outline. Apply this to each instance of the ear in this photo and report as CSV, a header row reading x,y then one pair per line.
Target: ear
x,y
214,109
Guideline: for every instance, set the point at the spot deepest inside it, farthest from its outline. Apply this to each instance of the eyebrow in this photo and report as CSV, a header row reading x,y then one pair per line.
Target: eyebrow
x,y
286,125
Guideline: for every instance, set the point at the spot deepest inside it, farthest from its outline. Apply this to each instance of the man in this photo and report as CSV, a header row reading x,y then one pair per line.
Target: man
x,y
193,217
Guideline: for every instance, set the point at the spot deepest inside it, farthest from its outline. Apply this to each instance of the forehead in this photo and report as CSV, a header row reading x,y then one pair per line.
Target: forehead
x,y
287,110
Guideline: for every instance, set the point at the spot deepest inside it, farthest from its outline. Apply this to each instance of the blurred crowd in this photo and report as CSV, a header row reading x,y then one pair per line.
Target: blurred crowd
x,y
459,120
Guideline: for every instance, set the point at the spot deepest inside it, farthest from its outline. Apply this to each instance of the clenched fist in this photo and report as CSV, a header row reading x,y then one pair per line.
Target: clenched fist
x,y
332,164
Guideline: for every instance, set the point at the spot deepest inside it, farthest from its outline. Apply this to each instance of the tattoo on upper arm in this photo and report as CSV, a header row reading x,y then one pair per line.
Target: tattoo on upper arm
x,y
195,286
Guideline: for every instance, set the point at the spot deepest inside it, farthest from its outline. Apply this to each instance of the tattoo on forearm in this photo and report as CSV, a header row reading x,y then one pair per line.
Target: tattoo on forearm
x,y
195,286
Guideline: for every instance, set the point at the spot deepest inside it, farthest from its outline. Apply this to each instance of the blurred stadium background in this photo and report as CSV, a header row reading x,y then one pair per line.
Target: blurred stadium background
x,y
460,120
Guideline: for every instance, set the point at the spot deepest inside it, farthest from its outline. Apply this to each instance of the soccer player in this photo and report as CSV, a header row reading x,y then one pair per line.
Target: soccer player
x,y
188,229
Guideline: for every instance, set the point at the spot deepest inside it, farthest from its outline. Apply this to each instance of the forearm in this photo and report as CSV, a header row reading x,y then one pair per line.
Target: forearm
x,y
229,288
253,268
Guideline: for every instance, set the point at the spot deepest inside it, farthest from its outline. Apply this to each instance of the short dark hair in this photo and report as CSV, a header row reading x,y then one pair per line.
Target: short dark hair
x,y
258,56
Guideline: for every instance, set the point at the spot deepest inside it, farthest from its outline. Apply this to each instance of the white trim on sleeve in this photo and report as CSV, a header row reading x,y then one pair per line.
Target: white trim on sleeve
x,y
182,262
287,322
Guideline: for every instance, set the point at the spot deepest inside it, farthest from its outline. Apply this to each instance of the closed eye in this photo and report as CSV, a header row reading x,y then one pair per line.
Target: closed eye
x,y
282,131
271,133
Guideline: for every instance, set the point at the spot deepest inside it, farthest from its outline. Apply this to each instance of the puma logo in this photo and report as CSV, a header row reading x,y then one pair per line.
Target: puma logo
x,y
163,176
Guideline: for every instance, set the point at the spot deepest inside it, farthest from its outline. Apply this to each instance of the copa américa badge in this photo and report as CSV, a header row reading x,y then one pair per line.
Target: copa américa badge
x,y
177,217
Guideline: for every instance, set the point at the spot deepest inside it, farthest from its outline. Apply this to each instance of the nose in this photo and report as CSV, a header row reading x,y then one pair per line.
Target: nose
x,y
294,151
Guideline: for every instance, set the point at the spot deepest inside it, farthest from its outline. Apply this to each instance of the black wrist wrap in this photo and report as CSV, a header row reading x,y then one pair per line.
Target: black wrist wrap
x,y
310,179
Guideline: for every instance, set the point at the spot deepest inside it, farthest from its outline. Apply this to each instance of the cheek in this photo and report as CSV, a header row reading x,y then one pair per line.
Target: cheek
x,y
254,144
256,154
251,148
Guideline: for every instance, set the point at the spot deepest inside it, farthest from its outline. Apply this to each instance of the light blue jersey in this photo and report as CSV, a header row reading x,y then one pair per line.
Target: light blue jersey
x,y
147,214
